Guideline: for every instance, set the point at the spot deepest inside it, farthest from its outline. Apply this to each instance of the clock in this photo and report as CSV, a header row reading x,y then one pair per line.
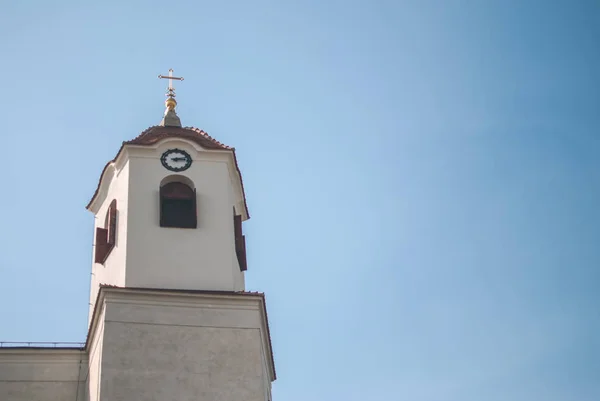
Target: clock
x,y
176,160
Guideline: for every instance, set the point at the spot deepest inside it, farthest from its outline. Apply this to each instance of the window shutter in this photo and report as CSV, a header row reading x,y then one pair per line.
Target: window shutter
x,y
112,223
237,226
240,242
101,245
241,253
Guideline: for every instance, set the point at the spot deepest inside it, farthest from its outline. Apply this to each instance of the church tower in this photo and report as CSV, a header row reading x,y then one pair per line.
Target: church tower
x,y
169,315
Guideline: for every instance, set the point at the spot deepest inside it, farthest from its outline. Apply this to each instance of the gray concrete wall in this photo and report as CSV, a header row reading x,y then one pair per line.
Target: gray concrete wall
x,y
42,374
153,362
184,348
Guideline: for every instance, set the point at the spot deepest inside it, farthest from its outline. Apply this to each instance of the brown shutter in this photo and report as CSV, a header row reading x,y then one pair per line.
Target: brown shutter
x,y
241,253
112,223
237,227
240,242
101,245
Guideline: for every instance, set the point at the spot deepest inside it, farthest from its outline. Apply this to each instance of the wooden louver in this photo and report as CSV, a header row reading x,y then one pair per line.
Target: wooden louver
x,y
112,223
101,245
106,237
240,242
178,206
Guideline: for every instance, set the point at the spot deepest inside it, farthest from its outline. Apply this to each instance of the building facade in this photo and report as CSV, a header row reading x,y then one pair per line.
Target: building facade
x,y
169,315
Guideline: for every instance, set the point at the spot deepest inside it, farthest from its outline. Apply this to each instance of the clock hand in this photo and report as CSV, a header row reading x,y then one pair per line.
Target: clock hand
x,y
178,159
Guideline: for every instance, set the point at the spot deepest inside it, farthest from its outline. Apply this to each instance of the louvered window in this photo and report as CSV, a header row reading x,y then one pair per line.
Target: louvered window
x,y
177,206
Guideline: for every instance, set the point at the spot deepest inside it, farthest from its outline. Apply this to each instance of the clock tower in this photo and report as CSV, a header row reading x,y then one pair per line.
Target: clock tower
x,y
169,315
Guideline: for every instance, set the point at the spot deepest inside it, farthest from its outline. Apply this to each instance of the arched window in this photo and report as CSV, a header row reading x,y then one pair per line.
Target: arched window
x,y
106,237
177,205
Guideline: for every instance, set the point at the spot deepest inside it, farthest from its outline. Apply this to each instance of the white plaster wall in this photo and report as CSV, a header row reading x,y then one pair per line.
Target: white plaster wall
x,y
113,270
163,347
94,366
160,257
41,374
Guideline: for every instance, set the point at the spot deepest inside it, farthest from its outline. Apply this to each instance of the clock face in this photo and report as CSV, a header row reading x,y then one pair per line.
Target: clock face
x,y
176,160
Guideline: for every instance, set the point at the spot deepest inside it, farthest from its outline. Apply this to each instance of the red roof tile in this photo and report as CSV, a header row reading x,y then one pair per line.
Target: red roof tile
x,y
154,134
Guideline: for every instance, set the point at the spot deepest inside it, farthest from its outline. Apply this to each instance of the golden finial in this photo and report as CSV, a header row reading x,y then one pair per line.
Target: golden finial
x,y
170,103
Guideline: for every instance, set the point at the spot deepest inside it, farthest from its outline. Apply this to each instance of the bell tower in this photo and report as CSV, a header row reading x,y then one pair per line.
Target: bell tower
x,y
169,260
168,212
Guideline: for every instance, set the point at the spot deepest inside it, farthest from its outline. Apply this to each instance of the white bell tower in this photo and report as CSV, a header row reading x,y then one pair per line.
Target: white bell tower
x,y
170,173
168,268
146,187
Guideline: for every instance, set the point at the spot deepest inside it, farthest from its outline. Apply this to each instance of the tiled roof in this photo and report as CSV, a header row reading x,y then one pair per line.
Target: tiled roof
x,y
156,133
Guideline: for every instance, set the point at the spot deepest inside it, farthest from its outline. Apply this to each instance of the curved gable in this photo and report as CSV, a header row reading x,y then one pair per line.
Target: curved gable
x,y
155,134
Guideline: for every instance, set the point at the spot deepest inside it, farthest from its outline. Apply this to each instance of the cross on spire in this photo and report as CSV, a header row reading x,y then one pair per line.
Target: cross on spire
x,y
170,119
170,77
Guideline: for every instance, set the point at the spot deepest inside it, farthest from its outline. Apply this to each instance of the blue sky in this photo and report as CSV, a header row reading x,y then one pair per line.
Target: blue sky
x,y
423,179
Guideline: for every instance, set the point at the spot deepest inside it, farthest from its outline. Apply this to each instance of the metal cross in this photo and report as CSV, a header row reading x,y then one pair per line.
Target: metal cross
x,y
170,77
